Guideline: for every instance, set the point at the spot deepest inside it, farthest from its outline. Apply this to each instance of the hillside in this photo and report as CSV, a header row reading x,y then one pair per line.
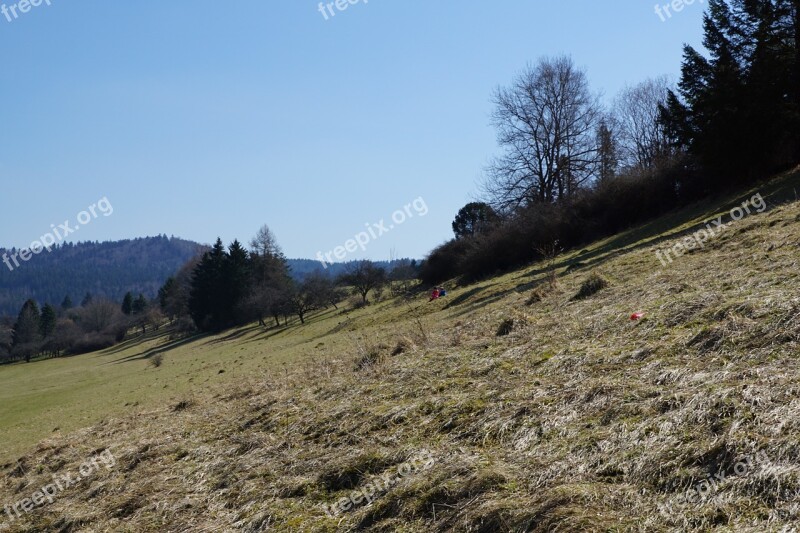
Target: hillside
x,y
513,404
108,269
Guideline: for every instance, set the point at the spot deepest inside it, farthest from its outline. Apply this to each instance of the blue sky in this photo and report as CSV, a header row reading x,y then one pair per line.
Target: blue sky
x,y
202,119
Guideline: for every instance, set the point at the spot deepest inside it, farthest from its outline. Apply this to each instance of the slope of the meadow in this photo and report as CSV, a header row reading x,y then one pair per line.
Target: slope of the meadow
x,y
510,405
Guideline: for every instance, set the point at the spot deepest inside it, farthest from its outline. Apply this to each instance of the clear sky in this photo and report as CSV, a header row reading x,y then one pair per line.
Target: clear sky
x,y
202,119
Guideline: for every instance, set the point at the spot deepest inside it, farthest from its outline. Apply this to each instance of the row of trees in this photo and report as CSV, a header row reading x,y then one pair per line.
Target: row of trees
x,y
222,288
572,170
51,332
232,286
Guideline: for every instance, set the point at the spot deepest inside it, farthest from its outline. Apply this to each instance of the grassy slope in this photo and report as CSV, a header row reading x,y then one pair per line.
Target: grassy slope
x,y
579,420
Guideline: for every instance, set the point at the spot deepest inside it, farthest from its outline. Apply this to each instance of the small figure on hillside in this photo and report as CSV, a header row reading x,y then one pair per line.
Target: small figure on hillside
x,y
442,292
434,294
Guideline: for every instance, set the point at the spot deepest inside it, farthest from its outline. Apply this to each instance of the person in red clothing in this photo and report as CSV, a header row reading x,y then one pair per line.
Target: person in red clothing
x,y
434,294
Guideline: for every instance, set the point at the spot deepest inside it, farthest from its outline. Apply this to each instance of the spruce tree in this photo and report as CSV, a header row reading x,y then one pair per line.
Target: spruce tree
x,y
127,303
47,322
139,306
26,334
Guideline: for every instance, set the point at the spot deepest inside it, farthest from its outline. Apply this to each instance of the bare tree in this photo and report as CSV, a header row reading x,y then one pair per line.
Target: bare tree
x,y
643,139
99,315
547,122
265,244
364,277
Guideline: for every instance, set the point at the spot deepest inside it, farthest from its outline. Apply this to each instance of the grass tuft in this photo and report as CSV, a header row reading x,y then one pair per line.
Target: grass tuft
x,y
591,286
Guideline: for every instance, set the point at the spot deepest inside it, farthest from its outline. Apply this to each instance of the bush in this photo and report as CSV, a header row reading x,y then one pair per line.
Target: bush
x,y
591,286
536,295
91,342
157,360
444,262
185,326
591,214
506,327
404,345
369,356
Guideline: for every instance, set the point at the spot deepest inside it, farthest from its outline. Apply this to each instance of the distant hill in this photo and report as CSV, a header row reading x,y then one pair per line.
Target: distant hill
x,y
108,269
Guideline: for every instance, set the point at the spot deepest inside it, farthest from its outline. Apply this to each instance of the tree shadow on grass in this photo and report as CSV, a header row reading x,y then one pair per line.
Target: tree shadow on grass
x,y
460,299
163,348
234,335
132,341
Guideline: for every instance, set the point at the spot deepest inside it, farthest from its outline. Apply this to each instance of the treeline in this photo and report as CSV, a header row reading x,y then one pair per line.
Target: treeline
x,y
572,170
233,286
52,331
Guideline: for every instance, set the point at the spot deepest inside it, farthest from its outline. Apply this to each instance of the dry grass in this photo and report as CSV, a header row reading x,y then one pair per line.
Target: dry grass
x,y
578,419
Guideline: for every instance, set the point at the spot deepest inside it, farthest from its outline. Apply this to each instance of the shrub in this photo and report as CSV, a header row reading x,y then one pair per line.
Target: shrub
x,y
506,327
157,360
92,342
403,345
369,356
618,204
591,286
536,295
444,262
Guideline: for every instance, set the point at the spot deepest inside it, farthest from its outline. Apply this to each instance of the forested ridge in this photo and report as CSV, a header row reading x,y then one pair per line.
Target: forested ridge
x,y
103,269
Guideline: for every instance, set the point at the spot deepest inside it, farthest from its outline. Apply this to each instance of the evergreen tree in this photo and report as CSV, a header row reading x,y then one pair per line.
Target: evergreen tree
x,y
737,111
166,292
139,306
47,322
86,299
206,288
26,334
66,304
236,282
127,303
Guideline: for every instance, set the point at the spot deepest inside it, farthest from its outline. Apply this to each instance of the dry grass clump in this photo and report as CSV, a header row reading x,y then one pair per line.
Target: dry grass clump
x,y
591,286
404,344
505,327
353,471
157,360
370,356
538,294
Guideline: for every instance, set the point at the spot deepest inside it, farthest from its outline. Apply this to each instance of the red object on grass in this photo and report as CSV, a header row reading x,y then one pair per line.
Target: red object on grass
x,y
637,316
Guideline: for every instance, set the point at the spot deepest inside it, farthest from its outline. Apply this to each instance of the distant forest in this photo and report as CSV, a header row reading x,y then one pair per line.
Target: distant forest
x,y
102,269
